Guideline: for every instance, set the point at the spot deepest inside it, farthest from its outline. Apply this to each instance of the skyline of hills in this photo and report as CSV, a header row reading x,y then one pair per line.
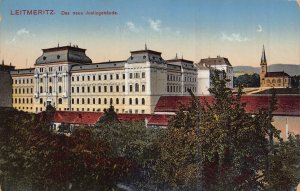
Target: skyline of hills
x,y
291,69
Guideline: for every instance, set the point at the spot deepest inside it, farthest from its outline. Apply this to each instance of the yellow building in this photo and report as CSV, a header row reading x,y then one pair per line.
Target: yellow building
x,y
66,78
272,79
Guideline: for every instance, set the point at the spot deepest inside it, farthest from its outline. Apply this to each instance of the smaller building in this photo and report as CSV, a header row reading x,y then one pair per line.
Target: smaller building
x,y
5,85
272,79
205,68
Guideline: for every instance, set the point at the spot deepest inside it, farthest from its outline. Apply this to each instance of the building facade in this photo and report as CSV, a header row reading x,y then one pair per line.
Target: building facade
x,y
66,78
272,79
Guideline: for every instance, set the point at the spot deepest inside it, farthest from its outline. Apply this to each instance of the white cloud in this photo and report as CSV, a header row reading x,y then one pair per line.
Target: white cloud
x,y
21,34
259,28
155,25
132,27
22,31
234,37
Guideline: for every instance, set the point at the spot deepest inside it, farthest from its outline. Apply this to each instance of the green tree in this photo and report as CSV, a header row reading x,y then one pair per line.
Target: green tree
x,y
216,146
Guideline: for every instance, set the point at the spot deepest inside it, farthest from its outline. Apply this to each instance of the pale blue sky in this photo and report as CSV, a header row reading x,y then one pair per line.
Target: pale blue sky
x,y
236,29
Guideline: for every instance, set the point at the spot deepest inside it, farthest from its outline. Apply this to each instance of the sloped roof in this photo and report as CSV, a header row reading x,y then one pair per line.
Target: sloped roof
x,y
70,117
160,120
277,74
214,61
287,104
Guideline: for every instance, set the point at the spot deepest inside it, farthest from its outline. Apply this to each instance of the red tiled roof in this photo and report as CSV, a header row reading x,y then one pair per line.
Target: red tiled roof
x,y
287,104
125,117
160,120
277,74
70,117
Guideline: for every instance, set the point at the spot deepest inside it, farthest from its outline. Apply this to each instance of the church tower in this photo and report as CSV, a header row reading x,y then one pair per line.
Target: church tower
x,y
263,67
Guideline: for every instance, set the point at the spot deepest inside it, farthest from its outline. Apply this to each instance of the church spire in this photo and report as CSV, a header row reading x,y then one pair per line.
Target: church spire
x,y
146,47
263,56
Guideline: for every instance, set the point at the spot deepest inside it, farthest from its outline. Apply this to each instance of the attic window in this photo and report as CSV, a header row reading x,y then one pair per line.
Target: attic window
x,y
131,57
44,58
144,57
97,66
115,64
58,56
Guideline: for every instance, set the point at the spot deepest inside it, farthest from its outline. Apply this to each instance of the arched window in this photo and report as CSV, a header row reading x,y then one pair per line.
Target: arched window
x,y
59,89
99,100
111,101
136,101
72,101
123,101
117,101
143,88
41,89
143,101
105,101
130,88
59,101
82,101
77,101
88,101
137,87
41,100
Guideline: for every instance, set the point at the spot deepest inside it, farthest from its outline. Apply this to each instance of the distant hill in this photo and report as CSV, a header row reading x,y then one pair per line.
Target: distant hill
x,y
291,69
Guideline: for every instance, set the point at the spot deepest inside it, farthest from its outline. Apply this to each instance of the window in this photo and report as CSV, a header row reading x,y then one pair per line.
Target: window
x,y
72,89
50,89
94,101
123,76
94,89
130,75
117,88
88,100
82,101
41,101
130,88
59,89
59,101
123,101
99,88
72,78
77,78
88,89
88,78
117,101
94,78
143,101
99,100
82,78
105,88
77,100
72,101
111,101
41,80
59,79
105,77
137,87
123,88
111,88
77,89
130,101
136,101
143,74
50,79
105,101
99,77
41,89
111,76
117,76
82,89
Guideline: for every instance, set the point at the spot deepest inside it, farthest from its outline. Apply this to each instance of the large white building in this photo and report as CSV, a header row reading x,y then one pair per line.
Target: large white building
x,y
66,78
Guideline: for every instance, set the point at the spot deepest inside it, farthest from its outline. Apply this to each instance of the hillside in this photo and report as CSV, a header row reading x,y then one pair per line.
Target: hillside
x,y
291,69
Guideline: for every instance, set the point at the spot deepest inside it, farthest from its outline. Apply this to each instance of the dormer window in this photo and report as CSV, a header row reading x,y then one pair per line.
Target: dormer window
x,y
58,56
44,58
144,57
131,57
